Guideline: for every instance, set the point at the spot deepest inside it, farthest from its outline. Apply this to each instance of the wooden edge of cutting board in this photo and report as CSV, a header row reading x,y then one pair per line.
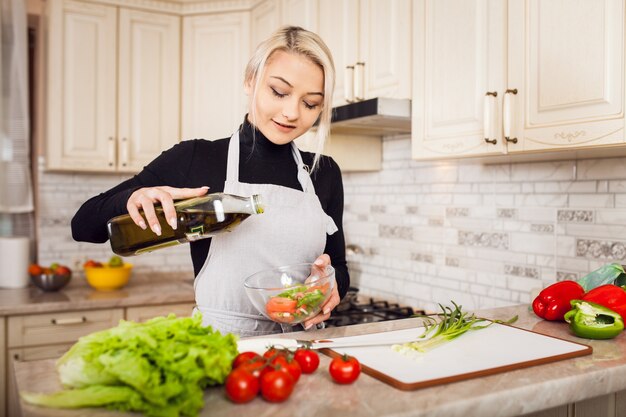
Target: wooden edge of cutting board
x,y
469,375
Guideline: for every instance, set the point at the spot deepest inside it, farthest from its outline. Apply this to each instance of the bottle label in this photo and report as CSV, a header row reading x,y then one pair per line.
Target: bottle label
x,y
195,233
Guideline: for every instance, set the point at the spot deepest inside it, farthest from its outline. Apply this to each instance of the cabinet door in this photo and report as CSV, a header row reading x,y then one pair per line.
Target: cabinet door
x,y
570,81
338,27
458,56
264,20
149,94
385,47
82,67
27,354
3,370
303,13
215,53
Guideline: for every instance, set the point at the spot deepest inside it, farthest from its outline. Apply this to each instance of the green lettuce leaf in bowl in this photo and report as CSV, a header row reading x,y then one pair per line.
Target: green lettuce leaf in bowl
x,y
159,367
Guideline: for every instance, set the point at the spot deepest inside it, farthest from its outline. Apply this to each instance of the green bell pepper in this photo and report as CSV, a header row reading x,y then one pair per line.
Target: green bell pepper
x,y
593,321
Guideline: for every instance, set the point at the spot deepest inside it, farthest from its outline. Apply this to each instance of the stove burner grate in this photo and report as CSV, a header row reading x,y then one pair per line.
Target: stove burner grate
x,y
353,311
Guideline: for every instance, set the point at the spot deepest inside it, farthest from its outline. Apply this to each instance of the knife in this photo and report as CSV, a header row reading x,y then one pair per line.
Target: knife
x,y
261,344
358,341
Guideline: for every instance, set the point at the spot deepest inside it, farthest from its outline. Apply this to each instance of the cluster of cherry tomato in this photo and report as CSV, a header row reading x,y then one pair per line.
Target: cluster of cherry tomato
x,y
55,268
275,374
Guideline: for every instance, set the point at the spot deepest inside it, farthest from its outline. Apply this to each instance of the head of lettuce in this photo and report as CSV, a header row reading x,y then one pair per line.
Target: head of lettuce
x,y
159,368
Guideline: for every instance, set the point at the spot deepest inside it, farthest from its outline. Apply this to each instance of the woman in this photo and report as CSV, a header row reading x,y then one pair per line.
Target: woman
x,y
289,82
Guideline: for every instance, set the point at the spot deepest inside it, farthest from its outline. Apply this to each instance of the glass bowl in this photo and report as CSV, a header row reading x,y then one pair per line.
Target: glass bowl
x,y
49,281
291,294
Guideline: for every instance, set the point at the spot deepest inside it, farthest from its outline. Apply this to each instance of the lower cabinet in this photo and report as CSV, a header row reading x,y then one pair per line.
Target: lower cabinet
x,y
610,405
144,313
49,335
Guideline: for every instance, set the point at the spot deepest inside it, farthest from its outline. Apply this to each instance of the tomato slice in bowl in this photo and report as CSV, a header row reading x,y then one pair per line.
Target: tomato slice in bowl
x,y
280,304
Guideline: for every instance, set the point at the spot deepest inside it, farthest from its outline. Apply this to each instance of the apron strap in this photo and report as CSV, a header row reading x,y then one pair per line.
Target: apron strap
x,y
303,174
232,165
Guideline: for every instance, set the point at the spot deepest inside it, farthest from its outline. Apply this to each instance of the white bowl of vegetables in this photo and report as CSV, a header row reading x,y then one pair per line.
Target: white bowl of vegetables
x,y
291,294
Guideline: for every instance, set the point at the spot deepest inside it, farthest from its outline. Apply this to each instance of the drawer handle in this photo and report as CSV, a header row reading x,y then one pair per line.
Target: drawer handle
x,y
75,320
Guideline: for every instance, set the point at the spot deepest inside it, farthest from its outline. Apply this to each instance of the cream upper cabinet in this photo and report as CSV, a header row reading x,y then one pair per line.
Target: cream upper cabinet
x,y
552,87
82,84
303,13
459,57
569,80
264,20
149,91
374,38
215,53
113,95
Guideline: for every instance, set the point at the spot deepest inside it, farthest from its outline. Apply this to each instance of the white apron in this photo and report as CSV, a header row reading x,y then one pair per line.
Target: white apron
x,y
291,230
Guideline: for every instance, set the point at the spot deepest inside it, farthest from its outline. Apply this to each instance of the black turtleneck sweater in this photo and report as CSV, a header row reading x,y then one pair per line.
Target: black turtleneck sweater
x,y
199,162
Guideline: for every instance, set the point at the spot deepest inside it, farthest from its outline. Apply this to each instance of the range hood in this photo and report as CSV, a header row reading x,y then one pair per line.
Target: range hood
x,y
373,117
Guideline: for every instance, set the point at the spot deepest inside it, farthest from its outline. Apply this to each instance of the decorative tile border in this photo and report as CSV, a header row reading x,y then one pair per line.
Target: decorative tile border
x,y
484,239
378,209
600,249
575,216
457,212
566,276
542,228
398,232
435,221
506,213
452,261
422,257
521,271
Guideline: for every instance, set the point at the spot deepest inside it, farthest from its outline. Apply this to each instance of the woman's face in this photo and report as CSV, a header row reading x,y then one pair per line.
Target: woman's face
x,y
289,98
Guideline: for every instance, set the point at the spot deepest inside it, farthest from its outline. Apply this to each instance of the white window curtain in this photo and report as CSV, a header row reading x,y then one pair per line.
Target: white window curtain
x,y
16,194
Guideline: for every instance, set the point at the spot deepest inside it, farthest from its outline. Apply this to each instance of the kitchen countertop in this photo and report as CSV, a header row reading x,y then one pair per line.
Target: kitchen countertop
x,y
506,394
139,291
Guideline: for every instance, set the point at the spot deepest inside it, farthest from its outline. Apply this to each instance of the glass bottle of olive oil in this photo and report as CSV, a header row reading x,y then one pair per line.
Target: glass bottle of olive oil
x,y
197,218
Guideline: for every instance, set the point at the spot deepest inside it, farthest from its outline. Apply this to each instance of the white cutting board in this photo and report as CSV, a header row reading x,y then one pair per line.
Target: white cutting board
x,y
497,348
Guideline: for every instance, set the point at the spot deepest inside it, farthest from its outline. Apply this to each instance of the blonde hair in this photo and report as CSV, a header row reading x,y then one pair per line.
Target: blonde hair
x,y
301,41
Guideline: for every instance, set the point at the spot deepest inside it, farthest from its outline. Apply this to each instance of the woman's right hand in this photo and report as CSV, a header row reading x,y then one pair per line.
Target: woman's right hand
x,y
145,198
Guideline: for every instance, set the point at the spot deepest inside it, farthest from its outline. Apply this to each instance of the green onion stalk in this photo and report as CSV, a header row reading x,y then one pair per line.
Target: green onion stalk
x,y
444,327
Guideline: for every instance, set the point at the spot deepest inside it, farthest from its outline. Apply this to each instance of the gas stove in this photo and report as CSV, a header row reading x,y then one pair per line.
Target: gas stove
x,y
357,310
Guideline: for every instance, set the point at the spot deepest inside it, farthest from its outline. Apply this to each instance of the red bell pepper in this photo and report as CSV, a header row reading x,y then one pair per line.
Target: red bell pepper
x,y
554,301
610,296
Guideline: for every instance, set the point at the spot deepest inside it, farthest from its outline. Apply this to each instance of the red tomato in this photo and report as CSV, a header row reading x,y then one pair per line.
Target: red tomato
x,y
273,352
92,263
35,269
276,386
241,386
282,304
281,317
253,366
245,357
344,369
62,270
289,365
308,360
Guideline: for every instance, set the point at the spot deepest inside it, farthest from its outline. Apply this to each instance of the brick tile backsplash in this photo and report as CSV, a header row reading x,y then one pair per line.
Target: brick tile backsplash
x,y
483,235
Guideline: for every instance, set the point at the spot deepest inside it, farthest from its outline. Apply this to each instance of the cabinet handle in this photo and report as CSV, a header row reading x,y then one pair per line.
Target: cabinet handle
x,y
111,151
348,91
507,114
124,152
490,106
359,81
73,320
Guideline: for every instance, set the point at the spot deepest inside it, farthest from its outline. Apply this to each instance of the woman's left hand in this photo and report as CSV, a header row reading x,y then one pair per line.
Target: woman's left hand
x,y
332,301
